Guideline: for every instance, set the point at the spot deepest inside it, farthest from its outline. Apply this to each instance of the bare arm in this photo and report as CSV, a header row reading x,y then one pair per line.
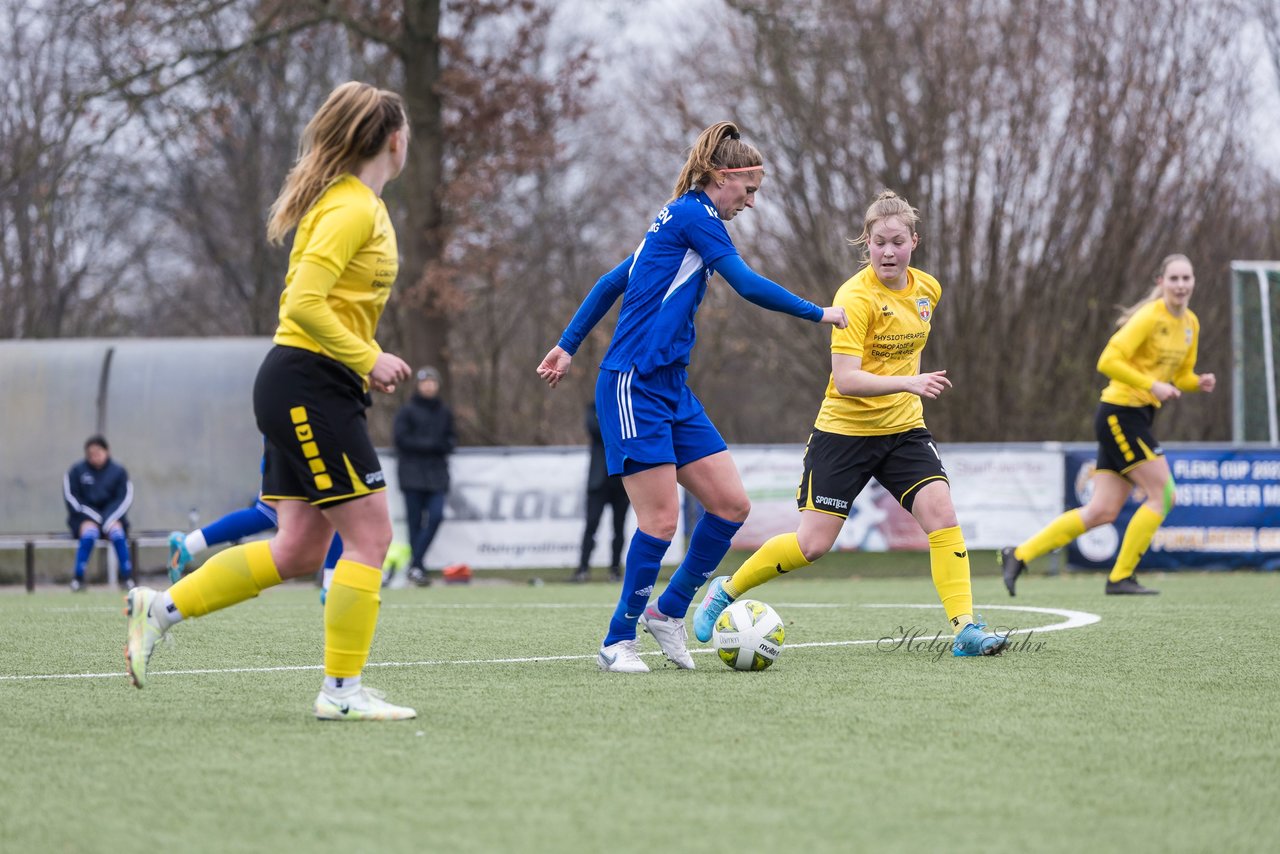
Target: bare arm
x,y
852,381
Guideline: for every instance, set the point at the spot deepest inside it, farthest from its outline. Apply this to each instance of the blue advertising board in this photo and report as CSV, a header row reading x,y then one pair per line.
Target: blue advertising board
x,y
1227,512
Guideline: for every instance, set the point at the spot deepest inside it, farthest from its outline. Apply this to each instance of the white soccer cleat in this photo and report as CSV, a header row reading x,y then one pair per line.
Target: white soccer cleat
x,y
620,657
143,633
359,704
670,635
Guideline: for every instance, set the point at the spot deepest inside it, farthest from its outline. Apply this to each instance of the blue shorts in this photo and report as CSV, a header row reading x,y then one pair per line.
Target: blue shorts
x,y
651,419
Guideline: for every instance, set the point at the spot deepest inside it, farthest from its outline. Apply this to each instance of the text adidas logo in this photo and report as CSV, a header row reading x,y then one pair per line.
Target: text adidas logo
x,y
645,591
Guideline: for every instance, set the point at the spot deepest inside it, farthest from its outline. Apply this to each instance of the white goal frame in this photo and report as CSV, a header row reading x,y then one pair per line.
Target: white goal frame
x,y
1259,269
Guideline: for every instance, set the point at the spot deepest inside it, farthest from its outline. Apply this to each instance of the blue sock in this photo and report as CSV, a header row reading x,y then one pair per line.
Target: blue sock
x,y
644,559
87,541
335,552
707,547
121,544
237,525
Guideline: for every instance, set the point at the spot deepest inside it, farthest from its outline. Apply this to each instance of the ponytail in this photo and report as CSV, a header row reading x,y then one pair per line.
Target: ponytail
x,y
718,147
353,125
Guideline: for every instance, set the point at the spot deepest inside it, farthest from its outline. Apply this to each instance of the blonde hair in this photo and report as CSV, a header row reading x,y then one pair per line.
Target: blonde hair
x,y
718,147
1156,291
351,126
887,204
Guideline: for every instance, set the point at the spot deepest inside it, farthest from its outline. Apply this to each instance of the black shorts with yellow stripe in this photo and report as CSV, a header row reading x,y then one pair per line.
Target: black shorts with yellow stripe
x,y
838,467
311,411
1125,440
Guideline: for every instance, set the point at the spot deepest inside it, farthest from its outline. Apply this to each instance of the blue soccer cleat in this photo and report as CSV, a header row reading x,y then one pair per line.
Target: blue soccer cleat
x,y
973,640
179,557
716,600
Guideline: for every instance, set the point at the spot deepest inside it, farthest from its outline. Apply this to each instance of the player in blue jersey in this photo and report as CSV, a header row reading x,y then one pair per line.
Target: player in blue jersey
x,y
656,433
232,528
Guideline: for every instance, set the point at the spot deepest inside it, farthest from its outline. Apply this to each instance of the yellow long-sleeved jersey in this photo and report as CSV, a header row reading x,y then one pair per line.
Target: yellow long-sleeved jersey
x,y
1152,346
341,269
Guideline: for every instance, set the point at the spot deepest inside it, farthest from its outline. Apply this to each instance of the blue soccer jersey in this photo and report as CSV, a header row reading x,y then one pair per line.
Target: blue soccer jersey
x,y
666,284
663,283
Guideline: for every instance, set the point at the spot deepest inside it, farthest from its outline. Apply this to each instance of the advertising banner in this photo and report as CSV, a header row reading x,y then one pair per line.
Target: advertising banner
x,y
1002,495
1227,512
515,508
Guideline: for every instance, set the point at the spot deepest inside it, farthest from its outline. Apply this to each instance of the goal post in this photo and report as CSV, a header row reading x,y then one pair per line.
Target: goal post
x,y
1255,340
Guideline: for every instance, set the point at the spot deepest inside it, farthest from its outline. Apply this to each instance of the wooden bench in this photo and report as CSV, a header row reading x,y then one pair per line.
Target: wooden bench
x,y
30,542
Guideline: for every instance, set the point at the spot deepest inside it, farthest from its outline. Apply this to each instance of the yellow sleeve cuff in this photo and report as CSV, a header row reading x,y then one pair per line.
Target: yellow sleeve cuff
x,y
1188,382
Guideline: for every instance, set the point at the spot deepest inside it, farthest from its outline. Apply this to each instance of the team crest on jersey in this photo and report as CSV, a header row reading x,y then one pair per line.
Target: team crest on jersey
x,y
926,310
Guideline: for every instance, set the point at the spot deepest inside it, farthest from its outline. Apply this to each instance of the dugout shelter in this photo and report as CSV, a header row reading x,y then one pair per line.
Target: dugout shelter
x,y
177,413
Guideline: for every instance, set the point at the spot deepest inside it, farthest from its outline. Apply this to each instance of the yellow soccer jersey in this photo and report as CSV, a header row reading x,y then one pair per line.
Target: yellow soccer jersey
x,y
346,234
888,329
1153,346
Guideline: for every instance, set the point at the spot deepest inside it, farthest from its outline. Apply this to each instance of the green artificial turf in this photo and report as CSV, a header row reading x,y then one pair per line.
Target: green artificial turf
x,y
1154,729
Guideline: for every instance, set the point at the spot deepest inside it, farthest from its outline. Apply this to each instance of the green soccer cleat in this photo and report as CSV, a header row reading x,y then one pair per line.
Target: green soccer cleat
x,y
143,633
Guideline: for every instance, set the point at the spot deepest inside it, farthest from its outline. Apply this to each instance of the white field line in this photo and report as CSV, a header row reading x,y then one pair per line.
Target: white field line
x,y
443,606
1074,620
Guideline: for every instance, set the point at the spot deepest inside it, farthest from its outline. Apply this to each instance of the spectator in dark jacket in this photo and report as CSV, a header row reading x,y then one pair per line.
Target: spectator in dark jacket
x,y
602,490
424,439
98,493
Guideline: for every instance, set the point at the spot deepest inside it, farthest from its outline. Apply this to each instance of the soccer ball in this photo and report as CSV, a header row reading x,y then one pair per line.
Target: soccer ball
x,y
748,635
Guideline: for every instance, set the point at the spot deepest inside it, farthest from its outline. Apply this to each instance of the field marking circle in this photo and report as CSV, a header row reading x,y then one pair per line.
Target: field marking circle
x,y
1074,620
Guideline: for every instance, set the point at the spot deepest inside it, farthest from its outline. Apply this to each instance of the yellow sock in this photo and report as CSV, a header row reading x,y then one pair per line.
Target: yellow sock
x,y
778,556
1055,535
350,616
1142,527
232,575
949,563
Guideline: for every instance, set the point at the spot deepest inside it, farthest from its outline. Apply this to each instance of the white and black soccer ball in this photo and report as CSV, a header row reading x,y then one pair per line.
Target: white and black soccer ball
x,y
748,635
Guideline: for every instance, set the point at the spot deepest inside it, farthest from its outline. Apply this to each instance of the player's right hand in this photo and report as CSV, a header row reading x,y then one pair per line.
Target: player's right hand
x,y
1165,391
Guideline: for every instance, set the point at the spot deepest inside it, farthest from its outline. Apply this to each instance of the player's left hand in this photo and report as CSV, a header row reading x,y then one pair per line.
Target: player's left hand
x,y
835,315
554,366
388,370
1207,382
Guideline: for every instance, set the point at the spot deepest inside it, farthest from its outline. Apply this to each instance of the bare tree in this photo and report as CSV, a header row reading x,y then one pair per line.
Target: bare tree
x,y
61,215
1057,150
475,92
224,142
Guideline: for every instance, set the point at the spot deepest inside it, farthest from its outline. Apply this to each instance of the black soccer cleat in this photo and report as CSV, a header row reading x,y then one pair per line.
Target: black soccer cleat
x,y
1011,568
1128,587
